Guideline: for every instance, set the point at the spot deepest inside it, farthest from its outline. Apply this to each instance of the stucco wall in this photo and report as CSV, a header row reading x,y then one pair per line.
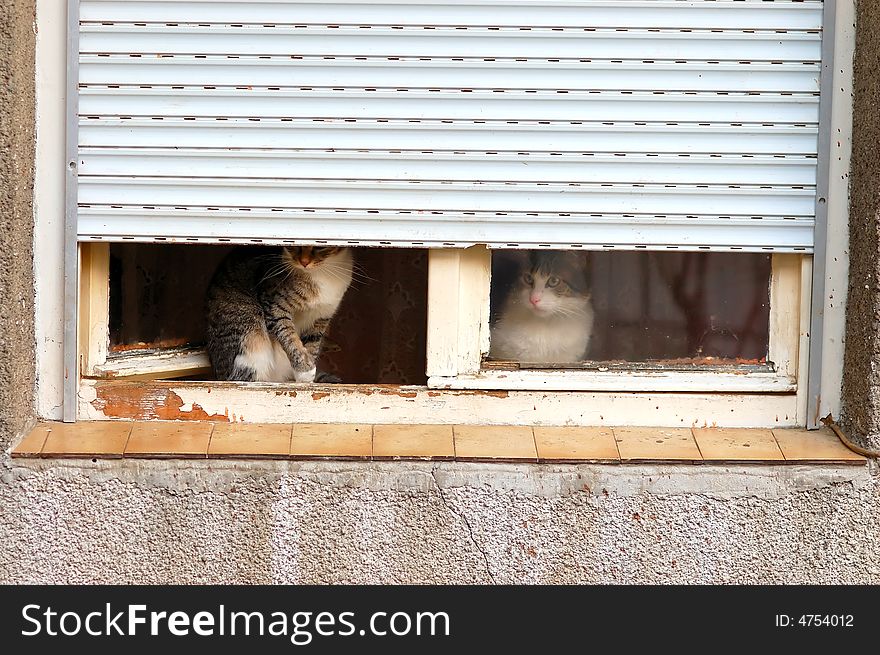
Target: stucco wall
x,y
322,523
861,387
84,521
16,182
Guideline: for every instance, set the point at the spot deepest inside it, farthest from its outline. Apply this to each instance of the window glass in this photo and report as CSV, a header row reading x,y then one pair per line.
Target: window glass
x,y
689,308
378,334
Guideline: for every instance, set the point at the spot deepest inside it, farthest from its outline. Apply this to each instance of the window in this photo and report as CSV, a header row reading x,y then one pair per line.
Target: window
x,y
683,171
148,317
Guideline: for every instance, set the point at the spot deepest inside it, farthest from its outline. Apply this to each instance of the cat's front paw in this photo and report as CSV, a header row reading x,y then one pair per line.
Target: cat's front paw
x,y
305,376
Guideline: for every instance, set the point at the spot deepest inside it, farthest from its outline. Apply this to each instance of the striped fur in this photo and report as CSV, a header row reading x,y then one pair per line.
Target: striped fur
x,y
268,310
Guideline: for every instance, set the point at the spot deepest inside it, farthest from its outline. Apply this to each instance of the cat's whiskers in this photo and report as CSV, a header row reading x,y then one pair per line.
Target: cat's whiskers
x,y
335,272
274,272
278,268
357,270
357,275
570,311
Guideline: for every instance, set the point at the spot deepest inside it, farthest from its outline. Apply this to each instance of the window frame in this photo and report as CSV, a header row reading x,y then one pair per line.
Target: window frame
x,y
458,338
95,358
829,270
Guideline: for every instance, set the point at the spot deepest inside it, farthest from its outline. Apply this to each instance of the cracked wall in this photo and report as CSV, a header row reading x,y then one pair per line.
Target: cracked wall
x,y
281,522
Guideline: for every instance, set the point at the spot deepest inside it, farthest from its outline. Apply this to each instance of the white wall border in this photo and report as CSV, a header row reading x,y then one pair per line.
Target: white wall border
x,y
49,198
831,265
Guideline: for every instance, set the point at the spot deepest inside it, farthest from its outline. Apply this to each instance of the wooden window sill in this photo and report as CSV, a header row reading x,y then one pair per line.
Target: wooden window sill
x,y
209,440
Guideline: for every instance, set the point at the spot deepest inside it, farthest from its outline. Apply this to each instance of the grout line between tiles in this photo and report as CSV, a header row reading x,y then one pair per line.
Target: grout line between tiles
x,y
778,445
616,446
697,442
43,452
210,439
127,439
43,444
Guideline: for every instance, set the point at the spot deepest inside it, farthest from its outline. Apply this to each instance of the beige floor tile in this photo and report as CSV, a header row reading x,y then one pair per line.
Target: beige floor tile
x,y
656,444
413,442
564,444
169,439
737,445
87,439
250,440
32,444
494,442
815,446
343,441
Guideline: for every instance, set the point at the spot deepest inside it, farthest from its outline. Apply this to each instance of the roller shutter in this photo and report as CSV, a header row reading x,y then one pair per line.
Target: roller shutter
x,y
687,124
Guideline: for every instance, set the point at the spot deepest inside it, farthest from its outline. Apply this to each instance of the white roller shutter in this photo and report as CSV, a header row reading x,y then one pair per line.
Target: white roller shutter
x,y
687,124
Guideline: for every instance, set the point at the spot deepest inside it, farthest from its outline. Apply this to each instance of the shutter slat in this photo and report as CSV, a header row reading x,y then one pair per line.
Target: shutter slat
x,y
442,229
450,104
731,14
736,45
441,196
445,165
447,73
578,136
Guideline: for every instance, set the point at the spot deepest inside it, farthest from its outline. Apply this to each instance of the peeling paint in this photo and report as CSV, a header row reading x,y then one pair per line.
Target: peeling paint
x,y
271,403
133,401
402,394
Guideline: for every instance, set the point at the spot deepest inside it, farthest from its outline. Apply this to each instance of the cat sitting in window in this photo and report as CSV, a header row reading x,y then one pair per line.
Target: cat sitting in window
x,y
547,316
268,310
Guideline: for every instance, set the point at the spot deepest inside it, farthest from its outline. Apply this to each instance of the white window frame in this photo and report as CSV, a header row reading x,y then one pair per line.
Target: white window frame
x,y
458,338
95,359
455,347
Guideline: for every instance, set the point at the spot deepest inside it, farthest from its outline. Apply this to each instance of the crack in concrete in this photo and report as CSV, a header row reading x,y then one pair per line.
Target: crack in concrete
x,y
464,520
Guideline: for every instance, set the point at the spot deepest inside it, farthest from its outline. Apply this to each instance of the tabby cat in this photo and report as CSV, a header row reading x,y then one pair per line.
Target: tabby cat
x,y
268,310
547,316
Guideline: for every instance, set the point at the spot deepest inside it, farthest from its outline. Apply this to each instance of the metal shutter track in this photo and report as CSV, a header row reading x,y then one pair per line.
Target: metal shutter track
x,y
685,124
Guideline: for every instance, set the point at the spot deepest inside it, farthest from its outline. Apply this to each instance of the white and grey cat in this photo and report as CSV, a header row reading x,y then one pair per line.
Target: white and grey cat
x,y
547,316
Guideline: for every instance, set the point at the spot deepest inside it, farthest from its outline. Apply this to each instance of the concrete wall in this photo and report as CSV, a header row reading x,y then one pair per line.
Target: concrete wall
x,y
84,521
861,387
279,522
16,213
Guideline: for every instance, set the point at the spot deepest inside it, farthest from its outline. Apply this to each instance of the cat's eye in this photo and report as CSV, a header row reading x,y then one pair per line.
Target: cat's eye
x,y
552,281
527,278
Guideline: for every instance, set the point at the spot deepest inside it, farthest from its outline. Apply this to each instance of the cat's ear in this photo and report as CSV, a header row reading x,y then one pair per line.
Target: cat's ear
x,y
578,257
